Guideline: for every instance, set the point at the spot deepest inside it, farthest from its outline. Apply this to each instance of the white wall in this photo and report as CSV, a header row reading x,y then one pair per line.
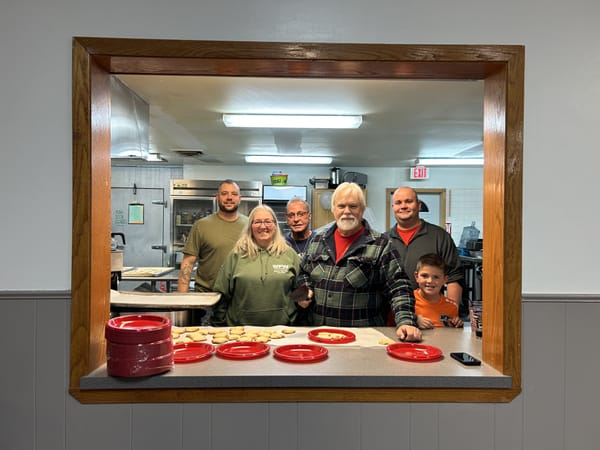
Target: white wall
x,y
562,91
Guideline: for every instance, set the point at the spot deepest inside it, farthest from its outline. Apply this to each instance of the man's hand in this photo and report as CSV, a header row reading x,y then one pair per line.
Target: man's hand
x,y
408,333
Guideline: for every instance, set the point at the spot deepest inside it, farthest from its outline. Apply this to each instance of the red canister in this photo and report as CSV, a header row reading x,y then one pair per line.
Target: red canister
x,y
138,345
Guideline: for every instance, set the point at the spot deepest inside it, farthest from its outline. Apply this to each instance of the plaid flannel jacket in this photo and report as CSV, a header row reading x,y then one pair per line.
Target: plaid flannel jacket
x,y
360,289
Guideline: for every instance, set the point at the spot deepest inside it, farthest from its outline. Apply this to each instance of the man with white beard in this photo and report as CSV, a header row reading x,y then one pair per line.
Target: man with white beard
x,y
353,273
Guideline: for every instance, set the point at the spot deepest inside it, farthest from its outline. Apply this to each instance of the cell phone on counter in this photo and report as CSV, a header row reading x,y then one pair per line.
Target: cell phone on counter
x,y
465,359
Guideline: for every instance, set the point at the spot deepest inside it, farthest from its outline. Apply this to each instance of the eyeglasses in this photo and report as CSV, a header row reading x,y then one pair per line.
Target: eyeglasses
x,y
266,223
298,214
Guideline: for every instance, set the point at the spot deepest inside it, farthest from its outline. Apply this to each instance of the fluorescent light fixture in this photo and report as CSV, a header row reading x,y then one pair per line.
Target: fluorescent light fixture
x,y
449,161
290,121
277,159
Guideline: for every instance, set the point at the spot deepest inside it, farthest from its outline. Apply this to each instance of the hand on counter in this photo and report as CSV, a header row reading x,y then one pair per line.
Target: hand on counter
x,y
409,333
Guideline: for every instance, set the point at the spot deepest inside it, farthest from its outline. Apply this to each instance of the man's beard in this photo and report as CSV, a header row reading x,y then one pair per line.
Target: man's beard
x,y
228,208
345,224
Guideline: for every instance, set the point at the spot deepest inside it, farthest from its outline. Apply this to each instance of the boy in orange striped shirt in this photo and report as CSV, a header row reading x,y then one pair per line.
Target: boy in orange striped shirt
x,y
433,309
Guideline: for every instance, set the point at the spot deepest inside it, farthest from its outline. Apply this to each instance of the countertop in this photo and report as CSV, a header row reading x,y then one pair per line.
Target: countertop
x,y
163,300
347,365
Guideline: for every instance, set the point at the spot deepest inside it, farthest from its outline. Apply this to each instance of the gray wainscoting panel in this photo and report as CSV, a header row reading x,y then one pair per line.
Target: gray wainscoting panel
x,y
240,425
196,425
470,425
582,394
424,426
508,429
329,426
384,425
543,375
557,409
283,426
51,371
98,427
156,426
17,377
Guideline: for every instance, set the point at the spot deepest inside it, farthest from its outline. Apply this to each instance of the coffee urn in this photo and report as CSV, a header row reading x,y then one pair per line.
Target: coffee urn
x,y
334,177
116,260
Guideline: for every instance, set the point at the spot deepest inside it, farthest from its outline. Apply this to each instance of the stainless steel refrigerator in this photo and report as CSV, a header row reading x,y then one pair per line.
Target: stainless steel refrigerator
x,y
193,199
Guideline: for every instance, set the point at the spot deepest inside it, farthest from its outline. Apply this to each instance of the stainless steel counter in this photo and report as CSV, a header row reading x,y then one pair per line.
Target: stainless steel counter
x,y
152,275
347,365
163,301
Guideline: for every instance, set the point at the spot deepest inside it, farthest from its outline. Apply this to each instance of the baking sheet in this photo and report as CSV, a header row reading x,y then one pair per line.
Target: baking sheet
x,y
172,300
365,337
136,272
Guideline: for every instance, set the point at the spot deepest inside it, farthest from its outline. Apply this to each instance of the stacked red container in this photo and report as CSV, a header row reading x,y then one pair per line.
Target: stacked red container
x,y
138,345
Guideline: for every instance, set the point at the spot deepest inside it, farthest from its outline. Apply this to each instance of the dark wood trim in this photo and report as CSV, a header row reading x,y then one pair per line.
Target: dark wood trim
x,y
500,66
319,395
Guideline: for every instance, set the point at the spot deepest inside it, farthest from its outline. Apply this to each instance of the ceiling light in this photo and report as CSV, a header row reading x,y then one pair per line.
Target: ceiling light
x,y
275,159
450,161
290,121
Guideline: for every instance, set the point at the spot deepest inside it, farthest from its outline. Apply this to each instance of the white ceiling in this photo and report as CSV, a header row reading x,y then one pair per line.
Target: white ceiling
x,y
402,119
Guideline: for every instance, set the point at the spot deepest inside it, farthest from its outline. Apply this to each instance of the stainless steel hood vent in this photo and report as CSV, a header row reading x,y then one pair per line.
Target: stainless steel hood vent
x,y
129,123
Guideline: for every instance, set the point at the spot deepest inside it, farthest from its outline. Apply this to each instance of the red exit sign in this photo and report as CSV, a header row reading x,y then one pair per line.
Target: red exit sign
x,y
419,173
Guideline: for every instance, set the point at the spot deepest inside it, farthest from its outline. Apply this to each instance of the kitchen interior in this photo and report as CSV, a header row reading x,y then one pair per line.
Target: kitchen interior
x,y
170,147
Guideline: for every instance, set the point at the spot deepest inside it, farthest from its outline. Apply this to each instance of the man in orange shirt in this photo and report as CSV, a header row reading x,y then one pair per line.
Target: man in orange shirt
x,y
433,309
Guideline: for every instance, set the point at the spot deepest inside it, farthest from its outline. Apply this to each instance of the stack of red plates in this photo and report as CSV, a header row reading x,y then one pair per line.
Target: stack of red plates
x,y
138,345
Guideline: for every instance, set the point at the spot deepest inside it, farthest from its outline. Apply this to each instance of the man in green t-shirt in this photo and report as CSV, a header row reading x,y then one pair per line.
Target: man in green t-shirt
x,y
211,239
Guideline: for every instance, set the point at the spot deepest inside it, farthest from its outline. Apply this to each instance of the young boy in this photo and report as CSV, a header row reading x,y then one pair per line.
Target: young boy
x,y
433,309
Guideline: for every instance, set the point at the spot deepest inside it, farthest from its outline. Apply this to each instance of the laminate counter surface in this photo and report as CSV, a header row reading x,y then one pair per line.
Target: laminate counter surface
x,y
363,363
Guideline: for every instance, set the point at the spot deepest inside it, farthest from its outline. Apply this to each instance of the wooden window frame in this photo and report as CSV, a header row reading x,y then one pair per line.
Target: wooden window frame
x,y
501,67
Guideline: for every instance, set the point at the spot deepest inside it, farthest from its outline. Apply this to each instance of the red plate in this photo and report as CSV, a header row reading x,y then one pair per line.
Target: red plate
x,y
192,351
137,328
243,350
414,352
300,352
314,335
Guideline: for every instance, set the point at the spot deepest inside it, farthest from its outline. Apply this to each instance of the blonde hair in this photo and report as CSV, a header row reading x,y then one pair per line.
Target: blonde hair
x,y
347,188
247,247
